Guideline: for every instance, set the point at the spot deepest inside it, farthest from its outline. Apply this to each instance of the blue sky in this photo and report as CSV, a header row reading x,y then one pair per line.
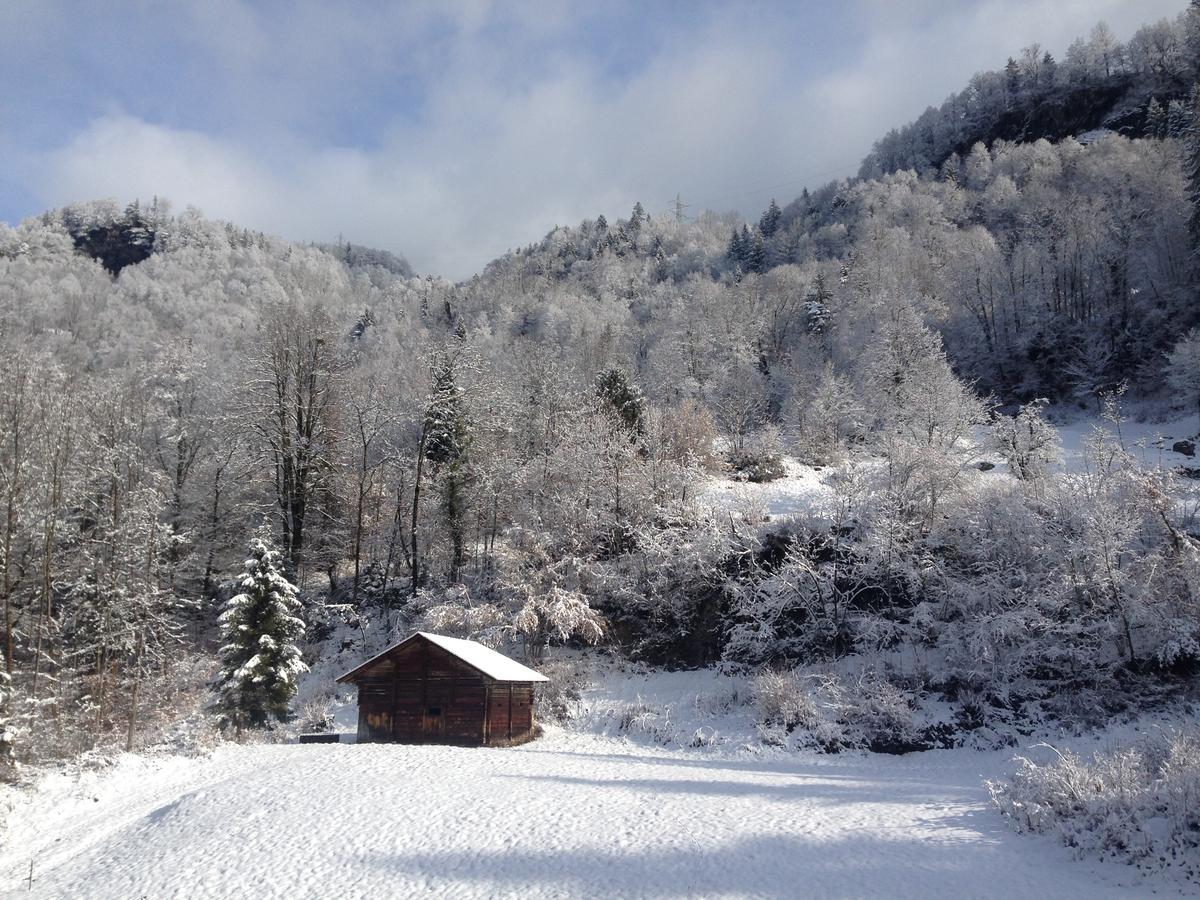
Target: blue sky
x,y
451,131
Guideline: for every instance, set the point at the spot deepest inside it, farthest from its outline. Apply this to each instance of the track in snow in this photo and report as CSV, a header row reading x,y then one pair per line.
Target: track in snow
x,y
565,816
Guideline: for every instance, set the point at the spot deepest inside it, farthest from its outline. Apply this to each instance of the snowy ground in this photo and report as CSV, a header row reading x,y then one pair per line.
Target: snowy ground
x,y
1150,442
802,491
625,803
571,815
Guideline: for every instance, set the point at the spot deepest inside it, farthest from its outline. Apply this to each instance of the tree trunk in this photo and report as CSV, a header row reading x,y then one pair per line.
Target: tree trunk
x,y
416,558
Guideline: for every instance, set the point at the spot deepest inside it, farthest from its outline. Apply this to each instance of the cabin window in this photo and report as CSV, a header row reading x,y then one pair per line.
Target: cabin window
x,y
435,711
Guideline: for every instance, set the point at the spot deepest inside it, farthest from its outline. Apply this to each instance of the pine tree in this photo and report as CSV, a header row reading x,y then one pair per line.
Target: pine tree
x,y
637,218
624,399
447,439
756,255
447,430
1192,166
737,250
260,661
1049,68
817,314
747,243
1193,33
950,169
1012,78
769,223
1156,120
1177,119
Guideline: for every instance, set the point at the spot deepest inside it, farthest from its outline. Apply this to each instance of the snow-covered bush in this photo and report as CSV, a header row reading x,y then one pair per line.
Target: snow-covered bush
x,y
1027,442
456,613
641,718
7,731
1139,803
827,419
316,714
553,700
759,459
877,714
831,713
783,701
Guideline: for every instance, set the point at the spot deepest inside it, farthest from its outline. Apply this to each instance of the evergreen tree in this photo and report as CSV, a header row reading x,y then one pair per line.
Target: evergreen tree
x,y
624,399
769,223
660,259
950,169
447,431
756,255
1156,120
737,249
447,439
260,661
1012,78
637,218
747,243
1193,34
817,314
1049,69
1178,119
1192,166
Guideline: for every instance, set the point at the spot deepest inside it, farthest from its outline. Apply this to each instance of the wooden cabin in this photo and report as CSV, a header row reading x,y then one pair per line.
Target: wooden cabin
x,y
431,689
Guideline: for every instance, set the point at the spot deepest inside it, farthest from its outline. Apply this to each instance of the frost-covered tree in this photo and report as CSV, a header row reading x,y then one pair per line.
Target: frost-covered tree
x,y
1191,165
260,659
1156,119
555,613
1028,443
293,408
1183,368
446,440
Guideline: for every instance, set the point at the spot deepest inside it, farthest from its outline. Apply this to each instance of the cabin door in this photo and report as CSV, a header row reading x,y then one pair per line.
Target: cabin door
x,y
433,722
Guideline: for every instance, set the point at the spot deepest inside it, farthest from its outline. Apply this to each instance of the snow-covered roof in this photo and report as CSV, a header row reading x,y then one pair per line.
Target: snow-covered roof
x,y
494,665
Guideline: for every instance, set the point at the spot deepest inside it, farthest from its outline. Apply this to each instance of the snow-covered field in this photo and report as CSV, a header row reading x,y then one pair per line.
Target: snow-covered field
x,y
658,788
571,815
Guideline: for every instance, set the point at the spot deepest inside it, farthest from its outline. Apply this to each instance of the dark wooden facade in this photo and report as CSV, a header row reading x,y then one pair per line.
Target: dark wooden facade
x,y
418,692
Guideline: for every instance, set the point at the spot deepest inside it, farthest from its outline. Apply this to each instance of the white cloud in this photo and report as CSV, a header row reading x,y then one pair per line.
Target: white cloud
x,y
506,142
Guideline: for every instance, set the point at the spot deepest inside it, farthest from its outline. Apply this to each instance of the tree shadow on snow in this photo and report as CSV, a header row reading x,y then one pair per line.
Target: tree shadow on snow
x,y
762,866
831,793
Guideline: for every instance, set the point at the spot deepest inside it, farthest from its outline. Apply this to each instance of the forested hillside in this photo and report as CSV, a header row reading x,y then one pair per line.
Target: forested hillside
x,y
523,457
1138,89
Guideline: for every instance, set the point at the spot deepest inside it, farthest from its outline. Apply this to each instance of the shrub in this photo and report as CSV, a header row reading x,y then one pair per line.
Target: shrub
x,y
552,700
1138,803
879,716
830,714
783,701
640,717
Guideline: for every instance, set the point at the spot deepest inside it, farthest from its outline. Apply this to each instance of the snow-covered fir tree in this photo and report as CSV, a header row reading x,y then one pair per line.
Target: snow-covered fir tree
x,y
260,629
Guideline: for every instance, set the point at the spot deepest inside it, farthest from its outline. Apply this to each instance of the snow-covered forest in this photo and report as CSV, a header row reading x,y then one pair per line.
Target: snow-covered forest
x,y
911,454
